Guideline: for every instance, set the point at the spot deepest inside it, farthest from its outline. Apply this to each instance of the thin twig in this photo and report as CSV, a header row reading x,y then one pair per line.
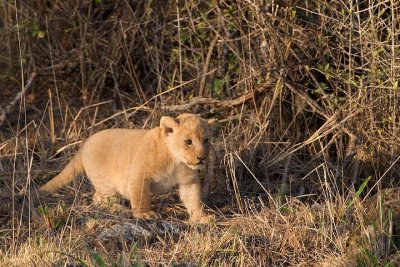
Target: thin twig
x,y
12,104
206,65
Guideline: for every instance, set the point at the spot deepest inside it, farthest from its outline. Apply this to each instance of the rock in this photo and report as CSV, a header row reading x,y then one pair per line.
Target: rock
x,y
140,230
128,231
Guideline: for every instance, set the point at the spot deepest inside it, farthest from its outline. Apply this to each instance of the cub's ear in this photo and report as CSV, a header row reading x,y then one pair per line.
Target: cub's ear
x,y
212,122
168,125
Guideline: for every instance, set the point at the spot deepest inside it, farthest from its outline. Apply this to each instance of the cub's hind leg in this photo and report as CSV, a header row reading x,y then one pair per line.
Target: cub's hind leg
x,y
107,198
141,200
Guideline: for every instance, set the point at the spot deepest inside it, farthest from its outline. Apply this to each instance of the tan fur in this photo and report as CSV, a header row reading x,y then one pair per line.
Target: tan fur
x,y
135,163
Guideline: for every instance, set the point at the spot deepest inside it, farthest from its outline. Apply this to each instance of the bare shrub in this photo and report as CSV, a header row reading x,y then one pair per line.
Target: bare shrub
x,y
306,93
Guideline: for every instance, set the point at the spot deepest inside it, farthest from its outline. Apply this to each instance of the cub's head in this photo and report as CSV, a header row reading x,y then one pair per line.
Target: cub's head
x,y
188,138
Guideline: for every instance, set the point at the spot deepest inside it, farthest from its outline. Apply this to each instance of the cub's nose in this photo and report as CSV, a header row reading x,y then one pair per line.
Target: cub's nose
x,y
201,159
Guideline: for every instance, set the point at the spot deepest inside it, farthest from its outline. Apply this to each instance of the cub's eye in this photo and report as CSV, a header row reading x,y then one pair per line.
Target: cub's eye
x,y
188,142
206,141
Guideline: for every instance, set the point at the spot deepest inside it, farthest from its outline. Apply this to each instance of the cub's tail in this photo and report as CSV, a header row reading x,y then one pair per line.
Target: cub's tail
x,y
74,168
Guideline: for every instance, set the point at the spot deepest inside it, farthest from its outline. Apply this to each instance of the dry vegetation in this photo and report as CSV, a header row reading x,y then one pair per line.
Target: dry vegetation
x,y
307,96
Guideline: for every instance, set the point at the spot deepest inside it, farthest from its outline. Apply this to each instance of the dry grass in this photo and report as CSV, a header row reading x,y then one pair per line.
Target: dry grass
x,y
307,97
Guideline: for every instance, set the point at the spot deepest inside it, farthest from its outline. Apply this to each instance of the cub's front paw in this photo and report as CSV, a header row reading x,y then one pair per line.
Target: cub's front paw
x,y
202,219
145,215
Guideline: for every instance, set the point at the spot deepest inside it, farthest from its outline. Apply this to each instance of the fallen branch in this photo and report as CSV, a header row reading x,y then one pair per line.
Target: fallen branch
x,y
211,101
19,96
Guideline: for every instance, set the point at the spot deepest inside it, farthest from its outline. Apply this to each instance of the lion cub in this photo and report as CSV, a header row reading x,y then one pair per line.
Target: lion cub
x,y
133,164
